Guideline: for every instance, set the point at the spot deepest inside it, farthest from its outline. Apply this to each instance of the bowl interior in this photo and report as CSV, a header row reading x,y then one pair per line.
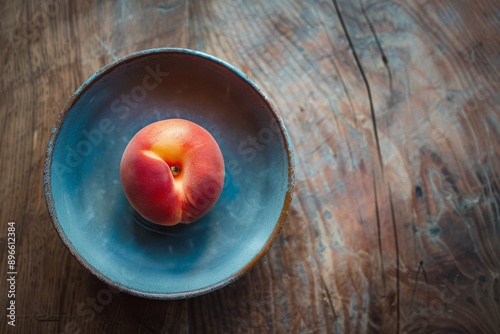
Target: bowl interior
x,y
87,202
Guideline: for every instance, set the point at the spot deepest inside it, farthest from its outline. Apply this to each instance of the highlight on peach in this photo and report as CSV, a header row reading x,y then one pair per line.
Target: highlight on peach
x,y
172,172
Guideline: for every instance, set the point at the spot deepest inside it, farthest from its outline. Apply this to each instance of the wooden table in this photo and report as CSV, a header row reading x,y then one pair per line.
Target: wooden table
x,y
393,110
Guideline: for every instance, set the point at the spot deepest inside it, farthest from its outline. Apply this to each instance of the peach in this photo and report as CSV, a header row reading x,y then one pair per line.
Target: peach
x,y
172,172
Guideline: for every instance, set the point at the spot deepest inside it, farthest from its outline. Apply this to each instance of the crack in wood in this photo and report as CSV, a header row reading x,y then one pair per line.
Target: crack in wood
x,y
396,245
379,233
365,80
419,269
329,297
382,53
322,143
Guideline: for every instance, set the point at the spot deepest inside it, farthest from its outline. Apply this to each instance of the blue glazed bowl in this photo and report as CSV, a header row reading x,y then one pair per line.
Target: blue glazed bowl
x,y
86,201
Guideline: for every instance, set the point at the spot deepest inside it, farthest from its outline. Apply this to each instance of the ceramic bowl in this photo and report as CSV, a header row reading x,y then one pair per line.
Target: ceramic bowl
x,y
86,201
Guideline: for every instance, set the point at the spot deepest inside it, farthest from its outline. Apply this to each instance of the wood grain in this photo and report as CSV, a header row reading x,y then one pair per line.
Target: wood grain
x,y
392,107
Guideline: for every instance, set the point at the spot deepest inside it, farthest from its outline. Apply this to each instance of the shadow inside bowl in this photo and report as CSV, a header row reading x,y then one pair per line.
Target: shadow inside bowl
x,y
166,244
181,239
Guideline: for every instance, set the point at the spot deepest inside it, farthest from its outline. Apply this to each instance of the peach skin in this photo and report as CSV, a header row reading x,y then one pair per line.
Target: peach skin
x,y
172,172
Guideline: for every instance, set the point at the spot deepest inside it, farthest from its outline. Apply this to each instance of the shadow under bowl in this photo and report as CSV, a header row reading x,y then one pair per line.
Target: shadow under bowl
x,y
86,201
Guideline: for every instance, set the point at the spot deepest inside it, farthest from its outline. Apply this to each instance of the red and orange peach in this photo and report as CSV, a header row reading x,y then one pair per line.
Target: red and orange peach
x,y
172,172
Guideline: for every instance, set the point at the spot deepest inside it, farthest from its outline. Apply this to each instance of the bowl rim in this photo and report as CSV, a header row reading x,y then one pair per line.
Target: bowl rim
x,y
53,140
